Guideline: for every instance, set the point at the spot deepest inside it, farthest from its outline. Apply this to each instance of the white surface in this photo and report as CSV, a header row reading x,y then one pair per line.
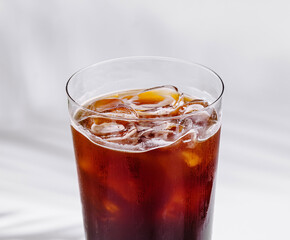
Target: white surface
x,y
43,42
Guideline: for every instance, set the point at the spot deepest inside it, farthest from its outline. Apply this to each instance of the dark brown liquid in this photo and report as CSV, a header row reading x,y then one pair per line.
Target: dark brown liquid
x,y
166,193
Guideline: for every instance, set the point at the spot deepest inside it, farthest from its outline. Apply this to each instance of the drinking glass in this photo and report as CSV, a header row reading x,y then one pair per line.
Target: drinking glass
x,y
147,192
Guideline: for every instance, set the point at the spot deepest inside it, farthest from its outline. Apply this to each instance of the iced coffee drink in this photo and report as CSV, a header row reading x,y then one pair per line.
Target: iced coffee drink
x,y
146,160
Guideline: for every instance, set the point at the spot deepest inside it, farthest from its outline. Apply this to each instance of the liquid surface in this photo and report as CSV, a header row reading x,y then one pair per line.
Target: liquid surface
x,y
141,125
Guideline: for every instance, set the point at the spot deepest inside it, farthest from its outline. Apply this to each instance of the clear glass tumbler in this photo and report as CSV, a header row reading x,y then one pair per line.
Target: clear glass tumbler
x,y
158,181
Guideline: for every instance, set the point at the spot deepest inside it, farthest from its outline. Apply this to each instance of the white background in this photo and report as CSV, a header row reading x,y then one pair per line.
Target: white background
x,y
43,42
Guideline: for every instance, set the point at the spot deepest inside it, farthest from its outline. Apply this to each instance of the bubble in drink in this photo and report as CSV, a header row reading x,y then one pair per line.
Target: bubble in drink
x,y
147,160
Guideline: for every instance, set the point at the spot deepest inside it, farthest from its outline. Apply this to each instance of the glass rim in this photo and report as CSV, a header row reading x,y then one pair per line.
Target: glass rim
x,y
131,58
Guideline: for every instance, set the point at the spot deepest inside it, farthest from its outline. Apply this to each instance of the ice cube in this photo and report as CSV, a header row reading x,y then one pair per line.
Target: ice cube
x,y
191,158
86,165
213,116
105,104
110,130
192,106
112,122
163,95
112,107
122,111
185,124
210,127
161,130
110,211
190,138
110,206
123,187
107,128
175,207
126,136
98,117
155,102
